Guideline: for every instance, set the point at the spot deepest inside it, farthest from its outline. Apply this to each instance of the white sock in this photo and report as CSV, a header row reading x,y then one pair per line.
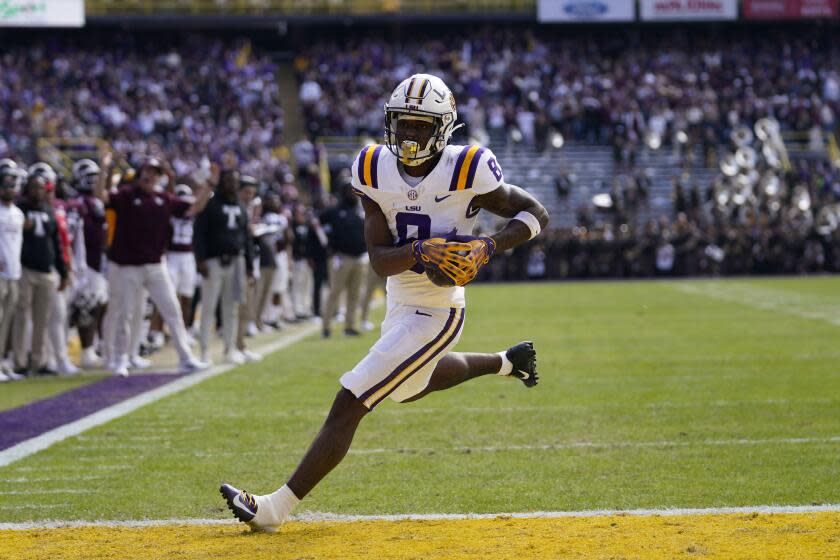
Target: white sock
x,y
273,509
507,366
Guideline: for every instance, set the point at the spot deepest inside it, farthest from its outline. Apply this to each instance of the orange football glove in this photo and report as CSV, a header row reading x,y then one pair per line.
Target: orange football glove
x,y
457,257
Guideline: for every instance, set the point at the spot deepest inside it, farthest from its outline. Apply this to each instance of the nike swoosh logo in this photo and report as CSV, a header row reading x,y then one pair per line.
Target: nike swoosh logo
x,y
424,314
522,374
237,501
442,198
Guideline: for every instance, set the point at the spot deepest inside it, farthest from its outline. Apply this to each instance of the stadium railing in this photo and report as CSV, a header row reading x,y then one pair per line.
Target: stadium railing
x,y
62,153
301,7
806,144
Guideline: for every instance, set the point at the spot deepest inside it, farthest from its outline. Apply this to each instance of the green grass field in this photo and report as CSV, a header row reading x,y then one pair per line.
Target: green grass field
x,y
652,395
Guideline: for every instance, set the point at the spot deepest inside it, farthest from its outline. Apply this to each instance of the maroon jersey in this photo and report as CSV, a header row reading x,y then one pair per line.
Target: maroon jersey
x,y
142,231
92,213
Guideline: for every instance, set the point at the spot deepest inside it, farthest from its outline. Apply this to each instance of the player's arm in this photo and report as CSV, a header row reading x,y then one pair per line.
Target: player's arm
x,y
385,258
203,192
100,189
529,217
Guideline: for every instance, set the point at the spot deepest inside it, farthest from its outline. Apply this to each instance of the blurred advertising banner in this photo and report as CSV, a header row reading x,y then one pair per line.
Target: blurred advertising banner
x,y
42,13
585,10
789,9
697,10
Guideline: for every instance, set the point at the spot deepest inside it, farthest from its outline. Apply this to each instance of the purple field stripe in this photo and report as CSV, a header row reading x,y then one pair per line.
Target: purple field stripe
x,y
473,167
33,419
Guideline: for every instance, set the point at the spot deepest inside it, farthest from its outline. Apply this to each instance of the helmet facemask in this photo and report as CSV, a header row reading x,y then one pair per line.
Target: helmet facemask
x,y
85,175
411,153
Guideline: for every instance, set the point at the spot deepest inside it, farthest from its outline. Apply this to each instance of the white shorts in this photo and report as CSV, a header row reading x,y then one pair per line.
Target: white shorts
x,y
93,284
182,271
400,364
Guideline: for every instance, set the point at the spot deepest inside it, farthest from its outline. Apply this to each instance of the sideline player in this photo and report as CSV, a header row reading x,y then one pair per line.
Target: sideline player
x,y
415,190
140,238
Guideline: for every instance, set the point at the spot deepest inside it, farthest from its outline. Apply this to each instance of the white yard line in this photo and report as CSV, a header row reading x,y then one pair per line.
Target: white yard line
x,y
35,491
31,506
28,480
45,440
805,306
63,468
596,445
316,517
97,453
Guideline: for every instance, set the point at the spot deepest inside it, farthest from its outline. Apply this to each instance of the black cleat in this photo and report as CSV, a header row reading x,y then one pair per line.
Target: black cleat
x,y
241,503
524,360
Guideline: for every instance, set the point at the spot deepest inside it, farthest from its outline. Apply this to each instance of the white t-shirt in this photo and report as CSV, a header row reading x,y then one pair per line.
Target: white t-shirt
x,y
439,203
11,241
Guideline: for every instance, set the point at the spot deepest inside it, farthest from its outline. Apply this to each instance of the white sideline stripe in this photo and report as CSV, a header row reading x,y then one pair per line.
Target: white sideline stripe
x,y
315,517
45,440
594,445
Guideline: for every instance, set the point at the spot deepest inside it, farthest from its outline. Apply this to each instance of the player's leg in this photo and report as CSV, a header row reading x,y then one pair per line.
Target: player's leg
x,y
338,279
21,318
353,287
230,308
325,452
263,290
407,344
163,295
520,362
330,445
211,289
130,279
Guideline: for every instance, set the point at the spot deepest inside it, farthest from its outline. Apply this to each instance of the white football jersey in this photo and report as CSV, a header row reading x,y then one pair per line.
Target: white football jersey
x,y
440,203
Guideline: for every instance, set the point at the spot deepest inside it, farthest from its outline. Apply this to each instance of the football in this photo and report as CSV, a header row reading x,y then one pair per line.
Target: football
x,y
438,277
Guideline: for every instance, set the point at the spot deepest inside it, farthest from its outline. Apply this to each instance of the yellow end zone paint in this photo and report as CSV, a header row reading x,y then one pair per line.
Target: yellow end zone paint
x,y
729,536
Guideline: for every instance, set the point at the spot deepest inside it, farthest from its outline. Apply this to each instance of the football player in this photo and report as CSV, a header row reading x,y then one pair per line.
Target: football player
x,y
91,295
421,196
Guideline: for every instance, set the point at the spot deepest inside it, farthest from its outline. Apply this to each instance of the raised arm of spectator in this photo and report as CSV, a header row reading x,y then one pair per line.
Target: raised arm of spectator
x,y
100,189
200,243
59,262
249,247
203,192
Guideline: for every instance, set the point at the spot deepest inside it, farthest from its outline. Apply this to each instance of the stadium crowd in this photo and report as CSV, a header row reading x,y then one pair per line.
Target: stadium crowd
x,y
592,86
192,99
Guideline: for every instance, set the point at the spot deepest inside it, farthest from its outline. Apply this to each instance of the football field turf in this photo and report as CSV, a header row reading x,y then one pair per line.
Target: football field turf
x,y
652,395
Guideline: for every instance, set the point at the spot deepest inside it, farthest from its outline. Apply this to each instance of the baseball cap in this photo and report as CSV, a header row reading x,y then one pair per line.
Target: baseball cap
x,y
152,162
